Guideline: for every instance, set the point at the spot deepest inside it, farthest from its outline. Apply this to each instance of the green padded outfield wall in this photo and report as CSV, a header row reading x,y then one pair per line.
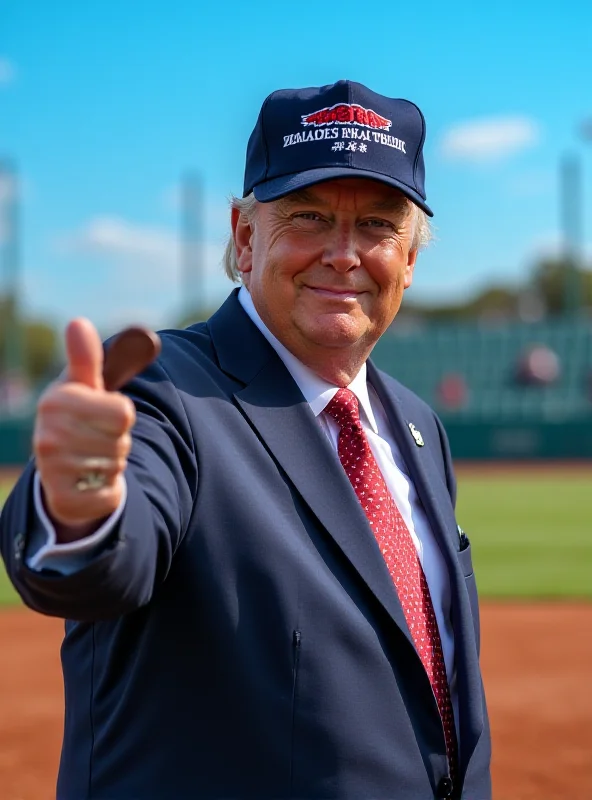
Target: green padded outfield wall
x,y
15,441
520,440
468,440
499,418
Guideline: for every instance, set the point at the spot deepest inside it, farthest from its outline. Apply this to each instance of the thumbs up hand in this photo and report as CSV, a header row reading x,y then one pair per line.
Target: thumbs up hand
x,y
84,351
82,432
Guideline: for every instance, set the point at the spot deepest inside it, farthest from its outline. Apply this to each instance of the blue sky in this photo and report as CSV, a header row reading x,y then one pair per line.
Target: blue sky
x,y
103,105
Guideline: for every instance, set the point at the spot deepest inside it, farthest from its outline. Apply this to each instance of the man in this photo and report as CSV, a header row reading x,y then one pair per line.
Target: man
x,y
255,543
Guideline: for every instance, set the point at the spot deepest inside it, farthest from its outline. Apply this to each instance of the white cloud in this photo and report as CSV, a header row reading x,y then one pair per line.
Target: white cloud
x,y
7,71
117,238
141,265
489,139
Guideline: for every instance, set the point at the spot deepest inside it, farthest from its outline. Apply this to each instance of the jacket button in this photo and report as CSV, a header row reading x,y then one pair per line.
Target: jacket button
x,y
445,788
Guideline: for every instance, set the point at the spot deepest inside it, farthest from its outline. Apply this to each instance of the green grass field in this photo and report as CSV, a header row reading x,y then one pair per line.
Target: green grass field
x,y
531,533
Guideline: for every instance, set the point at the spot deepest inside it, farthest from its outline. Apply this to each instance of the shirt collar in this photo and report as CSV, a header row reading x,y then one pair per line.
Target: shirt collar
x,y
316,391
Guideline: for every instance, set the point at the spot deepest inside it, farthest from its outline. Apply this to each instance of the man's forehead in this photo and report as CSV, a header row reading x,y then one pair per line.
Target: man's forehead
x,y
372,193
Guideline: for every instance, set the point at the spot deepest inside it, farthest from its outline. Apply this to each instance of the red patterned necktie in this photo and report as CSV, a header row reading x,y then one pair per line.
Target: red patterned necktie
x,y
398,549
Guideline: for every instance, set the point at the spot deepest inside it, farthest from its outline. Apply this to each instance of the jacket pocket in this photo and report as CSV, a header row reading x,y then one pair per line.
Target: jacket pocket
x,y
466,563
296,637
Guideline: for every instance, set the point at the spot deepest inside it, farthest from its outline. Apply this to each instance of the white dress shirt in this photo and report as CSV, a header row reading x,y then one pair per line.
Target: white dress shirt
x,y
68,558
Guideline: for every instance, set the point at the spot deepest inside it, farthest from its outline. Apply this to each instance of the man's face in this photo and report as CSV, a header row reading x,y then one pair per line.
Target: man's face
x,y
327,266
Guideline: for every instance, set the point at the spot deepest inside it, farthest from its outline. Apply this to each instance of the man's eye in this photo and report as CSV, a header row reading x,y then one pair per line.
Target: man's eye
x,y
377,223
307,215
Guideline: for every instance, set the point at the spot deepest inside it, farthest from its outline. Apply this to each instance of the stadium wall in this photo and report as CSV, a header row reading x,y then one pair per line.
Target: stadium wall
x,y
520,440
476,440
15,441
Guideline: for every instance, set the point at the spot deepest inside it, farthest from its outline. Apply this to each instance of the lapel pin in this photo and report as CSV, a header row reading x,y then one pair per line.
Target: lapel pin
x,y
416,435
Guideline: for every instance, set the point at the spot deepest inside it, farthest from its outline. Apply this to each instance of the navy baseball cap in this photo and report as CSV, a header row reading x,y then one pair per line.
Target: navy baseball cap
x,y
343,130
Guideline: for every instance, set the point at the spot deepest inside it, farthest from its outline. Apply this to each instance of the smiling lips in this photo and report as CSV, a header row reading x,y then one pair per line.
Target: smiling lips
x,y
334,293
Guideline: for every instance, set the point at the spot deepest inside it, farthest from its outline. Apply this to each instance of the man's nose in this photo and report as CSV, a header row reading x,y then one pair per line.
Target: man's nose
x,y
341,251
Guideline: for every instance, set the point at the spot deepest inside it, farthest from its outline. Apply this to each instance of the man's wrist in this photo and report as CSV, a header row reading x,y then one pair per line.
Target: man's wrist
x,y
76,545
66,533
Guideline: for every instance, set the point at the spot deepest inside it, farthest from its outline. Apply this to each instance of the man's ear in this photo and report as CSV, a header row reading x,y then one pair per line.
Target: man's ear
x,y
411,259
241,233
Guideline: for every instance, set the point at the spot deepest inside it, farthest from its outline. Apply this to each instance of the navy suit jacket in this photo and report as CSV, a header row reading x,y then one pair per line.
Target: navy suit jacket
x,y
239,635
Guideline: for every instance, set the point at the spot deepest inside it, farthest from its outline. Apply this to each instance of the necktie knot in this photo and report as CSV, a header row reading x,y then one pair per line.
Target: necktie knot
x,y
344,409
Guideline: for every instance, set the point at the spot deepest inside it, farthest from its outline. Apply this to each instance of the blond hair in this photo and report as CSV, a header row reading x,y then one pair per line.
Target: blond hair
x,y
422,231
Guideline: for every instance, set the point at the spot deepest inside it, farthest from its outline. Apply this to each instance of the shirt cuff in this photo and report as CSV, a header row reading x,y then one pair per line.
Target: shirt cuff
x,y
69,557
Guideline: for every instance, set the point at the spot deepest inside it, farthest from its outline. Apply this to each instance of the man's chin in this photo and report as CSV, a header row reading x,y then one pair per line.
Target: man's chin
x,y
335,330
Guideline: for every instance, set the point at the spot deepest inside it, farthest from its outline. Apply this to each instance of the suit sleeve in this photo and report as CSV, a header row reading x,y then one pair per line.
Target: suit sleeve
x,y
161,479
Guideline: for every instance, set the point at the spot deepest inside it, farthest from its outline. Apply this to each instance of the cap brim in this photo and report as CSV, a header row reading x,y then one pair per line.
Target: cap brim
x,y
279,187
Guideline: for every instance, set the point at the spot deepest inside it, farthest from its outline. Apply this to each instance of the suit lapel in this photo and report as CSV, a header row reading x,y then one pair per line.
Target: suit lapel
x,y
430,487
438,507
282,418
275,407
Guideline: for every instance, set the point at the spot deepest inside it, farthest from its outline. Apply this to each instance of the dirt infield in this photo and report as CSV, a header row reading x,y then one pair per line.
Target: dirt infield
x,y
536,663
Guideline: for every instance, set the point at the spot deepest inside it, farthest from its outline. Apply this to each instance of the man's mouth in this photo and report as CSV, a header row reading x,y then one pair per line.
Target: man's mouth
x,y
334,292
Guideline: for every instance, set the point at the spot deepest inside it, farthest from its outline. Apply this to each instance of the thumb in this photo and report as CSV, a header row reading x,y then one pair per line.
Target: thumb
x,y
84,351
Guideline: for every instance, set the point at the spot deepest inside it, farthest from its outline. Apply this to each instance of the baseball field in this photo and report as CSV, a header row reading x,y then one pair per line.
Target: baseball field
x,y
531,532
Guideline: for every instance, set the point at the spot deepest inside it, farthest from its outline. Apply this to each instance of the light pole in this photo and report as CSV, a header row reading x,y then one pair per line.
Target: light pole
x,y
572,222
10,269
571,197
193,267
